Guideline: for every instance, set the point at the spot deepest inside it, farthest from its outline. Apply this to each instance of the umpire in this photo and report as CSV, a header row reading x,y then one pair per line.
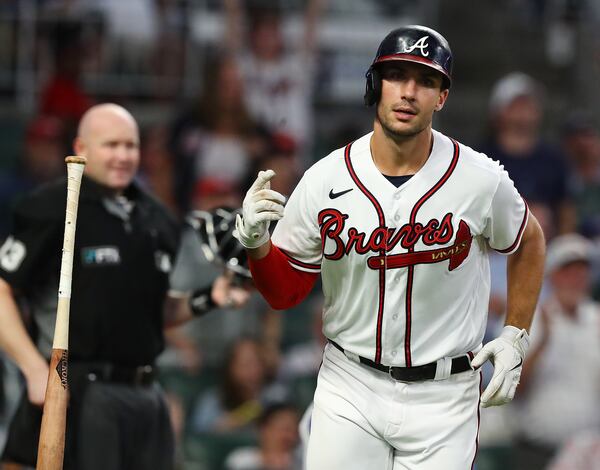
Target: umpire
x,y
124,248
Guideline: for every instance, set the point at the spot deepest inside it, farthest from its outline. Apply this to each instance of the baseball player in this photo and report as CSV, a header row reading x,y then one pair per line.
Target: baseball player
x,y
399,224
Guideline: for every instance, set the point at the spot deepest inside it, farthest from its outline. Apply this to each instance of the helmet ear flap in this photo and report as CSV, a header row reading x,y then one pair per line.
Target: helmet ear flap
x,y
373,87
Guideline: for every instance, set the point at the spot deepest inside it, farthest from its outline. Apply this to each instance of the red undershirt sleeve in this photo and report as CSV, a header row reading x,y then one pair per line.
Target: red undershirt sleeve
x,y
280,284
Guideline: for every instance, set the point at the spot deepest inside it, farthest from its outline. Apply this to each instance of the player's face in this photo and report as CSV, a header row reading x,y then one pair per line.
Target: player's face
x,y
410,94
112,148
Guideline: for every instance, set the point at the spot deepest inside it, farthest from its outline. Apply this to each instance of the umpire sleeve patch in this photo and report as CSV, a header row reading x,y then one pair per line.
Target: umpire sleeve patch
x,y
12,254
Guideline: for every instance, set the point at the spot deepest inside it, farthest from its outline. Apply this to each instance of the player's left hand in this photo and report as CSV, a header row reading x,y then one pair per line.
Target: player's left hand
x,y
507,353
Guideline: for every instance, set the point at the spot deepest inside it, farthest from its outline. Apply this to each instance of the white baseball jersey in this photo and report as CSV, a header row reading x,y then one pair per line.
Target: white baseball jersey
x,y
405,270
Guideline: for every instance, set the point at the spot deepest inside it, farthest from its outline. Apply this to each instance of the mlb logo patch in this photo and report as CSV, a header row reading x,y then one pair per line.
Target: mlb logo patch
x,y
100,256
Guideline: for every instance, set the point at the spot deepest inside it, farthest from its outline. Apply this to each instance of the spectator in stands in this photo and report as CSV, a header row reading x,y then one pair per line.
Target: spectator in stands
x,y
214,142
538,168
242,395
304,359
560,383
278,443
582,452
277,79
157,165
168,55
44,152
63,95
41,161
281,156
581,143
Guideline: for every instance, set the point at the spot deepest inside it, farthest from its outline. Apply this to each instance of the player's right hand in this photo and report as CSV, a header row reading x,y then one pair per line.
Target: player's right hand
x,y
261,206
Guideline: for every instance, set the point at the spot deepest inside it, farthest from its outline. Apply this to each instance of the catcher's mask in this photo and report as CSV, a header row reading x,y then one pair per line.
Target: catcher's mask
x,y
215,230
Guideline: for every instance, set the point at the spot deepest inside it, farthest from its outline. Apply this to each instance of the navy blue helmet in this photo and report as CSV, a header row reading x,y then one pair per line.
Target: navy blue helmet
x,y
411,43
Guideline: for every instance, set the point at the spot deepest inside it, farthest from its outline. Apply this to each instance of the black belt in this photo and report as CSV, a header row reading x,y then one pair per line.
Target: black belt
x,y
107,372
413,374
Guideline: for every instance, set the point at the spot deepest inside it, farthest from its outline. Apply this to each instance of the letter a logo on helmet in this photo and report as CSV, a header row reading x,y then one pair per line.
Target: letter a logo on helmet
x,y
420,44
414,43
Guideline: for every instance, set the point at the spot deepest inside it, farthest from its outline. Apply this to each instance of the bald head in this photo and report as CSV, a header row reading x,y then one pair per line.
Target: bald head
x,y
100,114
108,136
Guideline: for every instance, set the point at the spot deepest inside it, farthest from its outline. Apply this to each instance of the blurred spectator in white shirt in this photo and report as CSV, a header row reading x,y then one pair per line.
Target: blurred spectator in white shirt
x,y
278,77
560,384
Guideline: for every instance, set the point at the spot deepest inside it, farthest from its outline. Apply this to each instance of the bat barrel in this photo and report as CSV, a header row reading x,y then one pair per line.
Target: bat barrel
x,y
51,446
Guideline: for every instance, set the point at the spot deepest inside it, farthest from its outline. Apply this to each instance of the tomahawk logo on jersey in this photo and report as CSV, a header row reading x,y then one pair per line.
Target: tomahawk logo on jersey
x,y
426,240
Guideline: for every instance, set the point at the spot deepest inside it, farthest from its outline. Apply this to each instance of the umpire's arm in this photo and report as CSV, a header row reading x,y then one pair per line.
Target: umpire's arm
x,y
183,306
16,342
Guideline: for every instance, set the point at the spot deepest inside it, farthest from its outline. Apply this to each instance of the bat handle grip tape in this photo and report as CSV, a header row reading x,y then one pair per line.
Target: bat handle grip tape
x,y
75,167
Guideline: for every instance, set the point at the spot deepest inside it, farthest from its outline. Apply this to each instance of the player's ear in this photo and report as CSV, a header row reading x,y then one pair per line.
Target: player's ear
x,y
442,99
78,146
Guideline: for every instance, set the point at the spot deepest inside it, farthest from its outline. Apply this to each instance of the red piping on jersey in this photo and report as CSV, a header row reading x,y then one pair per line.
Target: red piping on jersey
x,y
381,218
521,229
478,417
297,262
411,269
280,284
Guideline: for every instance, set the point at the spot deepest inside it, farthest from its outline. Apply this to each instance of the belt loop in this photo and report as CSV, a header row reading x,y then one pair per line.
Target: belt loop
x,y
443,368
352,356
470,356
348,354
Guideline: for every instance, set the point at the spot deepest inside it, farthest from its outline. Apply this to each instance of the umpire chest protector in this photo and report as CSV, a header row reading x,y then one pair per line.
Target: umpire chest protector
x,y
411,43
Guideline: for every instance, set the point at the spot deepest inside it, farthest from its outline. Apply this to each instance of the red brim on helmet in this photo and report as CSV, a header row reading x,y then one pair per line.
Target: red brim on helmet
x,y
417,60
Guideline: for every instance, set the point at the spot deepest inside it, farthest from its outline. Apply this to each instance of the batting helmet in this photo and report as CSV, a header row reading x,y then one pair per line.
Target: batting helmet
x,y
411,43
215,231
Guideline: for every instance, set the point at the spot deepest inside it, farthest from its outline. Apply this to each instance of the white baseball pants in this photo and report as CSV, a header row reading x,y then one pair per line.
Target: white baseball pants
x,y
365,420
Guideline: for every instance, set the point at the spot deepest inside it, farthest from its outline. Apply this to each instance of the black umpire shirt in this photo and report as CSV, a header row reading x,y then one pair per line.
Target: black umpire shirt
x,y
124,248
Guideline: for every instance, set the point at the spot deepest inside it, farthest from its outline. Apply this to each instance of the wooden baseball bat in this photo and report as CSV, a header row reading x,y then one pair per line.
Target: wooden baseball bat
x,y
51,446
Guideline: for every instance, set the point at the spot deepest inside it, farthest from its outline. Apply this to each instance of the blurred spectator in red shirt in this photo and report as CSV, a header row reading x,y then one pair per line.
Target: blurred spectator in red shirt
x,y
42,160
63,95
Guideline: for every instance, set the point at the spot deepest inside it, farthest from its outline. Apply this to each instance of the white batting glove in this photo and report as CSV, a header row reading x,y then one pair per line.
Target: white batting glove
x,y
261,206
507,353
